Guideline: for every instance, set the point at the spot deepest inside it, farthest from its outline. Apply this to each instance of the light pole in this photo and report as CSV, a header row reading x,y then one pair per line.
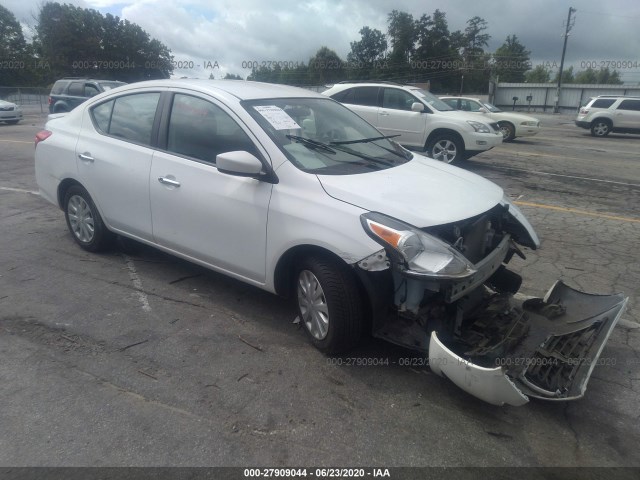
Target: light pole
x,y
564,50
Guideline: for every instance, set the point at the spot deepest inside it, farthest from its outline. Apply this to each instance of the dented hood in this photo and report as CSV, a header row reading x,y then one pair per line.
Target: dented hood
x,y
422,192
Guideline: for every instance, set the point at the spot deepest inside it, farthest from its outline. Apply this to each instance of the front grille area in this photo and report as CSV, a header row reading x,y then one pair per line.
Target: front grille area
x,y
555,364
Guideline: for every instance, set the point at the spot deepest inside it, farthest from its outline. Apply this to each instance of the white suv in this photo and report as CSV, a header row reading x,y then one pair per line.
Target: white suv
x,y
605,114
420,120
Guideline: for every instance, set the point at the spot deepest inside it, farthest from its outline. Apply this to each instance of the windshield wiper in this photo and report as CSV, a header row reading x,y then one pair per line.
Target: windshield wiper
x,y
311,143
373,139
362,140
327,148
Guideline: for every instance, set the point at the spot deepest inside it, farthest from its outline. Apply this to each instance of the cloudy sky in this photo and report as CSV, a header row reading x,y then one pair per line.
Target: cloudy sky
x,y
231,32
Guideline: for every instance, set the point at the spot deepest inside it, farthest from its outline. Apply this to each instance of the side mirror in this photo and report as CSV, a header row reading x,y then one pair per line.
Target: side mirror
x,y
240,163
417,107
483,110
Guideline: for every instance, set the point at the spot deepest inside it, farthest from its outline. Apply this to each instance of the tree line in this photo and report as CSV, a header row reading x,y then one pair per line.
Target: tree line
x,y
73,41
420,50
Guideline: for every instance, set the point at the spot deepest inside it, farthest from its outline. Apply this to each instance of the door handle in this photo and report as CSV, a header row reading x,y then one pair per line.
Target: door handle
x,y
168,181
385,114
86,156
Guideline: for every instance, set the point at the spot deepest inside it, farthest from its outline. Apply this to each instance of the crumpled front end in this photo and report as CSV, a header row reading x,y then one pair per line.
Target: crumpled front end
x,y
454,301
542,348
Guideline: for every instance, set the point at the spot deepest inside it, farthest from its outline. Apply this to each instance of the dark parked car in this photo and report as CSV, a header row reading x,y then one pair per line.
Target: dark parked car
x,y
69,92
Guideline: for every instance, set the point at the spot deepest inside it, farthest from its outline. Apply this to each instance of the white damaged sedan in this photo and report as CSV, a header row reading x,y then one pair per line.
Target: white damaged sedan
x,y
290,191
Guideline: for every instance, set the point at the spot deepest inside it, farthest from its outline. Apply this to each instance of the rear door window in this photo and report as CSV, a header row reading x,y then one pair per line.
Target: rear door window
x,y
129,117
603,103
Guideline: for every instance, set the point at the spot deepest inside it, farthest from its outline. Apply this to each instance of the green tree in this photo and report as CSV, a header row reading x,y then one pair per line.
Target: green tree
x,y
567,76
586,76
325,67
14,51
370,48
78,41
232,76
608,77
540,74
367,55
476,63
402,37
511,60
435,56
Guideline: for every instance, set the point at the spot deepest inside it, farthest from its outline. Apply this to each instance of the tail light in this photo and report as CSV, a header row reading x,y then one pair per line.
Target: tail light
x,y
50,101
584,111
41,136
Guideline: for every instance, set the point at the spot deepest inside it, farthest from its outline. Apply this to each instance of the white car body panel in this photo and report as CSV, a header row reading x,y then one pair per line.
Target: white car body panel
x,y
10,112
488,384
306,215
118,179
414,192
516,119
219,200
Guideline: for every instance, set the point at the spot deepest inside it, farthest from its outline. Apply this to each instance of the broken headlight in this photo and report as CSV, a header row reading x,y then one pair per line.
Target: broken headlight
x,y
419,252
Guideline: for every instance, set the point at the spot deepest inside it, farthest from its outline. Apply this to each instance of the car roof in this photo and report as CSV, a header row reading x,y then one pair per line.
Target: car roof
x,y
461,98
241,89
345,85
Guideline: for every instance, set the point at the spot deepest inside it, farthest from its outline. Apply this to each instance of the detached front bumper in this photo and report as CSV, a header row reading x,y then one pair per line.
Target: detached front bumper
x,y
544,348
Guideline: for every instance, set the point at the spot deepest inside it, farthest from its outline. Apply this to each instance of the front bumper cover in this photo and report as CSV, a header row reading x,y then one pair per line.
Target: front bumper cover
x,y
565,334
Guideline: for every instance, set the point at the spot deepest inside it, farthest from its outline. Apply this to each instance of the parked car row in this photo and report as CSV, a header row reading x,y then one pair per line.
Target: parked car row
x,y
292,192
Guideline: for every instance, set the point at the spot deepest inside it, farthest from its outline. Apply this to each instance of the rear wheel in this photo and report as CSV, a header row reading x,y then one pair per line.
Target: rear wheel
x,y
329,304
445,148
600,128
84,221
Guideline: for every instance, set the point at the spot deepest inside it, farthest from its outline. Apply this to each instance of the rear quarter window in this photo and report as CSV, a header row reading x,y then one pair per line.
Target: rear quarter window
x,y
58,87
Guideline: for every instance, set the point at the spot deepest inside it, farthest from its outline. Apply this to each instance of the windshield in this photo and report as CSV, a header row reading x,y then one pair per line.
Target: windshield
x,y
491,108
431,100
321,136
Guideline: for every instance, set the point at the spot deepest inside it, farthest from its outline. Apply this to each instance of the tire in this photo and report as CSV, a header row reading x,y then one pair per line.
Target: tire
x,y
329,304
84,221
445,148
600,128
60,110
508,131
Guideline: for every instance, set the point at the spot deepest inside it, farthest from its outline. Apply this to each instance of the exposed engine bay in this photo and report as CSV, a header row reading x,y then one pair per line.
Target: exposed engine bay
x,y
475,331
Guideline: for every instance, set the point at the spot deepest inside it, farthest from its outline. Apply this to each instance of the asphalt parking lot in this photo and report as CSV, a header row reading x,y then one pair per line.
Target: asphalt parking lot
x,y
135,358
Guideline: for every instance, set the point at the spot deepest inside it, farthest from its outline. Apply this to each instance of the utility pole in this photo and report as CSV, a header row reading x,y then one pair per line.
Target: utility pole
x,y
564,50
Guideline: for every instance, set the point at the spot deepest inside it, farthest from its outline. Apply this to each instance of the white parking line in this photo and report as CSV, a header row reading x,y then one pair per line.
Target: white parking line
x,y
137,283
22,190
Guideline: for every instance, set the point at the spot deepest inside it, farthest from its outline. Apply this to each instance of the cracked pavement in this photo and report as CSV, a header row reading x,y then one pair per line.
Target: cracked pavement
x,y
214,373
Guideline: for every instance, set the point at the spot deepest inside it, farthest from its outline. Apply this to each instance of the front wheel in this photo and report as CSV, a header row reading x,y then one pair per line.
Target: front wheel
x,y
84,220
445,148
329,304
508,131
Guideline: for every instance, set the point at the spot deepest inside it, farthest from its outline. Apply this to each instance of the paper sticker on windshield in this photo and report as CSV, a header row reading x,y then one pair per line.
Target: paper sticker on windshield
x,y
277,117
